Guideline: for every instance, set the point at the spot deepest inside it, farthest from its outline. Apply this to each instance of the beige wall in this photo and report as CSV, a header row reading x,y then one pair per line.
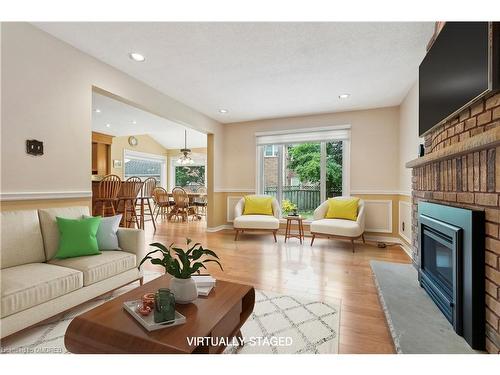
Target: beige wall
x,y
47,95
408,136
145,144
374,147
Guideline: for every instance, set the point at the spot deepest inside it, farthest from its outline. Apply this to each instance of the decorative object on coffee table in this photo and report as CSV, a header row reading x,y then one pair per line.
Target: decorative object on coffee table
x,y
289,221
164,306
187,263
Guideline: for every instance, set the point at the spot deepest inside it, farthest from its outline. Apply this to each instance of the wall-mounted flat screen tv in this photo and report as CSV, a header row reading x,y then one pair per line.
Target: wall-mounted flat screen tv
x,y
460,67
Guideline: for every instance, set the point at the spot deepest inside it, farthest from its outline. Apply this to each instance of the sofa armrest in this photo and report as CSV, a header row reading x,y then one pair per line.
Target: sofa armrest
x,y
238,208
132,240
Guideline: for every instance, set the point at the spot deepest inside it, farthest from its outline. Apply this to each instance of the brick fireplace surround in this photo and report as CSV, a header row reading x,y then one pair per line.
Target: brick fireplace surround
x,y
461,168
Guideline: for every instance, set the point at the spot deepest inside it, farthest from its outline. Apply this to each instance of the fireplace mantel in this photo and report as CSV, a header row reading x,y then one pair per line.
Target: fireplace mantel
x,y
487,139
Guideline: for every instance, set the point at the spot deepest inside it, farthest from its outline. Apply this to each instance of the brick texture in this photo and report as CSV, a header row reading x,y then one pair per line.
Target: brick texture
x,y
468,181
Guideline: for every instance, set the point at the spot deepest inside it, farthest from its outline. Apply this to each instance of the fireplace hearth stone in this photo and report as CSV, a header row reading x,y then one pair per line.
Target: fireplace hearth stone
x,y
417,325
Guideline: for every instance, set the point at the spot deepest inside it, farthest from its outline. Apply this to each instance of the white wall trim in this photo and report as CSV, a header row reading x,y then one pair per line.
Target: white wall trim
x,y
388,203
399,216
302,130
25,196
219,228
381,192
234,190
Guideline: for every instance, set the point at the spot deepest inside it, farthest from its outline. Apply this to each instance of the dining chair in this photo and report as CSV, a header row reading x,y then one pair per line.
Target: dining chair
x,y
162,202
127,199
182,208
146,196
200,202
107,193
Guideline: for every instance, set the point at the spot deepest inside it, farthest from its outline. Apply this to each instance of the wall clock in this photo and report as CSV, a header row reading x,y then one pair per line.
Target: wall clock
x,y
133,141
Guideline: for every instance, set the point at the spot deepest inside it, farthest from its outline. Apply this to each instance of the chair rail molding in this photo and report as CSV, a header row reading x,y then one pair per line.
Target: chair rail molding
x,y
31,195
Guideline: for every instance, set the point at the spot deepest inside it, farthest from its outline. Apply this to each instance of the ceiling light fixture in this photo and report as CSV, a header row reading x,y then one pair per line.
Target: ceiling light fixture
x,y
136,56
108,125
222,110
185,158
134,122
344,96
97,110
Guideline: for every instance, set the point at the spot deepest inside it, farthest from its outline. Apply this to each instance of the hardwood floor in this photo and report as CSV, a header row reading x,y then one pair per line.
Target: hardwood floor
x,y
328,269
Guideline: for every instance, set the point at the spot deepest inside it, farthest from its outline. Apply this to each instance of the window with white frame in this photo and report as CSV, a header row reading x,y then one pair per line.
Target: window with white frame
x,y
144,165
308,167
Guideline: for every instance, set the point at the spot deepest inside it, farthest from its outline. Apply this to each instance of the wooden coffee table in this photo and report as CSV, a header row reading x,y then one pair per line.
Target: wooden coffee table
x,y
108,328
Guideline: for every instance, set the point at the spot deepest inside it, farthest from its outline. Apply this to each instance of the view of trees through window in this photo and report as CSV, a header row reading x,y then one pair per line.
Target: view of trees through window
x,y
190,177
297,177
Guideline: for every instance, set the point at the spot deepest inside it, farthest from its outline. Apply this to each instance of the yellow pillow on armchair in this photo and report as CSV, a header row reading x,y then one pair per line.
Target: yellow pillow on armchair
x,y
258,205
342,209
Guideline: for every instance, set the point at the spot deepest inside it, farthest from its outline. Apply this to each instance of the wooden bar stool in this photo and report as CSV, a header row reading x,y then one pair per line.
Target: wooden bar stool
x,y
127,200
146,195
107,193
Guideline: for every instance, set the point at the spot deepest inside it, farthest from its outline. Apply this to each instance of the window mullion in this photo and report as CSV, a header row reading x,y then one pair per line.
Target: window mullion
x,y
322,183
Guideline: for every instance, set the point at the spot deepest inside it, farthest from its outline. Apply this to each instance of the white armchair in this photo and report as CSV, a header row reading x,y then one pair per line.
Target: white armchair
x,y
244,223
338,228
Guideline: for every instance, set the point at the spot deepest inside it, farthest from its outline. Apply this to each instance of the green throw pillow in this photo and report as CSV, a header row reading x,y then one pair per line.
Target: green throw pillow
x,y
77,237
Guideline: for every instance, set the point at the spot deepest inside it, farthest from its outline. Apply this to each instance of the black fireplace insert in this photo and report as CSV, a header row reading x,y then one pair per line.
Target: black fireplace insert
x,y
451,266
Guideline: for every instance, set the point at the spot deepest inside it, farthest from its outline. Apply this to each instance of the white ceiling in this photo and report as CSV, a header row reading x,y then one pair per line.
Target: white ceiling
x,y
262,70
121,117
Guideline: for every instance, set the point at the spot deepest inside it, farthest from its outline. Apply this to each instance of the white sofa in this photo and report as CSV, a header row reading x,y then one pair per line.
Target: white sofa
x,y
35,286
338,228
242,223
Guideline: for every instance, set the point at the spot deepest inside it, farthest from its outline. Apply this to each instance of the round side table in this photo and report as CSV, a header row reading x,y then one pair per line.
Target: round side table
x,y
289,221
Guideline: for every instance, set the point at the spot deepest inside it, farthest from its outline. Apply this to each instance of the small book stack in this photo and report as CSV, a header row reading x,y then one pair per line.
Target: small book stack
x,y
204,284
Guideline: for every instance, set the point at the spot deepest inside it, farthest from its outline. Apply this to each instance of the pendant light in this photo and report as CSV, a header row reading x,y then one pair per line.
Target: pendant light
x,y
185,158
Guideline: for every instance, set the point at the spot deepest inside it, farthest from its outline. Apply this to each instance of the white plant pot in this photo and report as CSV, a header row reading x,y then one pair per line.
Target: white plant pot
x,y
184,290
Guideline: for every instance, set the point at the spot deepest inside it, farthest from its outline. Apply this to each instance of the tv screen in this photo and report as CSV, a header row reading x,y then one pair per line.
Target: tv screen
x,y
454,72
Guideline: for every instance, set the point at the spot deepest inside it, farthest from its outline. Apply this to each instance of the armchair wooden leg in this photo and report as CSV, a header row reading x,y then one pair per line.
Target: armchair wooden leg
x,y
352,242
236,235
363,237
141,281
312,239
274,234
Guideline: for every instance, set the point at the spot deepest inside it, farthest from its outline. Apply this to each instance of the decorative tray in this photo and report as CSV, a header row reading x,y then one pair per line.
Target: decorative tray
x,y
148,321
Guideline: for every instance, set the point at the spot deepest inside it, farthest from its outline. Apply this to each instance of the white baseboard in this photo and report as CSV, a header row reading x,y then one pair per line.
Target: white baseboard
x,y
219,228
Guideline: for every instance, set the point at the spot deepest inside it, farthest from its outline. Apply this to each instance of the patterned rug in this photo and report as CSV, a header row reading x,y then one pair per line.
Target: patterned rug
x,y
279,324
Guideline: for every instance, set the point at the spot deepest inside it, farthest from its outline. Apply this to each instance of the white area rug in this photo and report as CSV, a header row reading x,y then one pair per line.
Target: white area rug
x,y
279,324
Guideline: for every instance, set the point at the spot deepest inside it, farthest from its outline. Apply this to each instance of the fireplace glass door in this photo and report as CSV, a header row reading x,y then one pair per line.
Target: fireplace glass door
x,y
438,260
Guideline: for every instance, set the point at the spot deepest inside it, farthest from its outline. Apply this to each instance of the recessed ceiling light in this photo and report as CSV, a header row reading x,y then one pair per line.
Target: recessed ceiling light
x,y
223,110
136,56
108,125
134,122
97,110
344,96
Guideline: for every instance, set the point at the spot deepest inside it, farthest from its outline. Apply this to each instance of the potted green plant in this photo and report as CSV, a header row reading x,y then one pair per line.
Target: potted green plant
x,y
288,207
181,264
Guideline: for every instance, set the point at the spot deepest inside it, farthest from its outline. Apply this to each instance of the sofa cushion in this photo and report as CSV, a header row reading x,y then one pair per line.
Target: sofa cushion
x,y
50,231
106,233
256,222
99,267
31,284
21,238
77,237
336,227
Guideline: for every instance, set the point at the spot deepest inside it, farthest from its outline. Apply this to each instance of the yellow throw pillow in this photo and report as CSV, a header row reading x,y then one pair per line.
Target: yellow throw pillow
x,y
256,205
342,208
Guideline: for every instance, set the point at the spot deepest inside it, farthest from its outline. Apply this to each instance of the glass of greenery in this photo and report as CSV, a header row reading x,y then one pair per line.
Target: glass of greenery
x,y
288,207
